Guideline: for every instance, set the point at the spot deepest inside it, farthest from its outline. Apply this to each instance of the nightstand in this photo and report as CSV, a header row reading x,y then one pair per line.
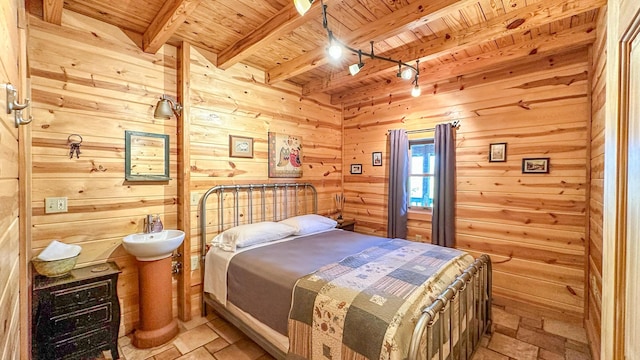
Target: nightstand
x,y
349,225
77,315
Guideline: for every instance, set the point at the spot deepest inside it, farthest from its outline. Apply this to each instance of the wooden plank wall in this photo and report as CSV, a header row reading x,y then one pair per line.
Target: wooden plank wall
x,y
90,79
9,189
532,225
594,258
237,102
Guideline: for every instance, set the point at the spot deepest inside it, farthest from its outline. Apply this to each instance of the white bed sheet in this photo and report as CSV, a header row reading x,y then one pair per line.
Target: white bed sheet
x,y
217,263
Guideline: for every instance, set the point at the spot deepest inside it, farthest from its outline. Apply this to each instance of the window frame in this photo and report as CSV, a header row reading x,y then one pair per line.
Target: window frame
x,y
421,141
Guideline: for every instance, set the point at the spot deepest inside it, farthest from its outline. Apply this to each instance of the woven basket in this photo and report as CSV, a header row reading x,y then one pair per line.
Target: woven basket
x,y
54,268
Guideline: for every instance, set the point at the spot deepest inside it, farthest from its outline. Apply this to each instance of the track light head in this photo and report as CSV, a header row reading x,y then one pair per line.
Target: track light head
x,y
302,6
355,68
335,50
407,73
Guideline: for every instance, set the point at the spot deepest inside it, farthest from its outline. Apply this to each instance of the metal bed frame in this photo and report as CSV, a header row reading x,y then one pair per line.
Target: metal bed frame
x,y
442,321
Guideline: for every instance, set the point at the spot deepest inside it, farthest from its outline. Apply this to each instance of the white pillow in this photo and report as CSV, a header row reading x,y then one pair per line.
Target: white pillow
x,y
251,234
307,224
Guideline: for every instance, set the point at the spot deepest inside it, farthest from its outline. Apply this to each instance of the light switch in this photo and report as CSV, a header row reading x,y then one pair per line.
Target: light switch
x,y
54,205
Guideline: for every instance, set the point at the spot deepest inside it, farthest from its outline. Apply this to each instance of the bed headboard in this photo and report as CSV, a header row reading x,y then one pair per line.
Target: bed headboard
x,y
245,204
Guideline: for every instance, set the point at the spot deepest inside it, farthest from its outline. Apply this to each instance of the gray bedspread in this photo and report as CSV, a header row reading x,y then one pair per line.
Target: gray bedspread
x,y
260,281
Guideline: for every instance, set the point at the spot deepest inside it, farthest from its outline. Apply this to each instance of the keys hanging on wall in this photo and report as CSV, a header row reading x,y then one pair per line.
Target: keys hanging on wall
x,y
74,141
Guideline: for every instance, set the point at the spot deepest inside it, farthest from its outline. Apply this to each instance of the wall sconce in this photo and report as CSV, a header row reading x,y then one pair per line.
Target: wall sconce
x,y
167,107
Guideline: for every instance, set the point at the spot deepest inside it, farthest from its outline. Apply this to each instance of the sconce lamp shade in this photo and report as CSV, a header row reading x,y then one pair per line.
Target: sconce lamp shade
x,y
165,108
302,6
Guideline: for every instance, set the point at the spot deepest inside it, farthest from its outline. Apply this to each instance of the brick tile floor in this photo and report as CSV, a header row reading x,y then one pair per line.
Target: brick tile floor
x,y
514,336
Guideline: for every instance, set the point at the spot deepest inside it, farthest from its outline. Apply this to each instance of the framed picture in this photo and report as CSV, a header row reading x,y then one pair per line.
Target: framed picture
x,y
498,152
535,166
240,146
356,168
376,158
285,155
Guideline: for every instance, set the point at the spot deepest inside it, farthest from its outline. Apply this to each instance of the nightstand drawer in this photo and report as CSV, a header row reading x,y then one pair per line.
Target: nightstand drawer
x,y
78,296
86,318
85,343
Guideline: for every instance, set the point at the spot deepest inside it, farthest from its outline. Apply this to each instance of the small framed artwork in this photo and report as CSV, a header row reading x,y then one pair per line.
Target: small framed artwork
x,y
240,146
356,168
376,158
498,152
535,166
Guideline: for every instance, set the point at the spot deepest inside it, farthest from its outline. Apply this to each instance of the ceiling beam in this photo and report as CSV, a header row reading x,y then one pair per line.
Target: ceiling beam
x,y
518,21
172,14
539,47
52,11
284,22
408,17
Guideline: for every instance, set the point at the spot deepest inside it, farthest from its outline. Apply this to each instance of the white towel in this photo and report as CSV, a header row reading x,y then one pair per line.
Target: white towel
x,y
57,251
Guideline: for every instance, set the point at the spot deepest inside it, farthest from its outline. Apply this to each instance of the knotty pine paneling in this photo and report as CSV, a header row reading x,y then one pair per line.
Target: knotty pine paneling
x,y
89,78
594,256
532,225
9,189
237,102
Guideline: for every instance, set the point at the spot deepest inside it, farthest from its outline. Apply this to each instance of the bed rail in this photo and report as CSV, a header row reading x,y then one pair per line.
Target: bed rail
x,y
443,323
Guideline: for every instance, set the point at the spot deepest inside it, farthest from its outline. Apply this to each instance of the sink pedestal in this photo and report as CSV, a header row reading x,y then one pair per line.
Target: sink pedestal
x,y
157,325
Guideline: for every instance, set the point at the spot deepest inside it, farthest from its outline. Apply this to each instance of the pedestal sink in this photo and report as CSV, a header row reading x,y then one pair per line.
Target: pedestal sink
x,y
153,251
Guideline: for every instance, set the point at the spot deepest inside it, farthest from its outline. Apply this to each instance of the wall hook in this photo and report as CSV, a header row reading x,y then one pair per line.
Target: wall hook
x,y
13,105
19,120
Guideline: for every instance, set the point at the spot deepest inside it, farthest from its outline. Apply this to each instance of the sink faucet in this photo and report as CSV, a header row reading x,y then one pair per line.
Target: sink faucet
x,y
148,224
152,225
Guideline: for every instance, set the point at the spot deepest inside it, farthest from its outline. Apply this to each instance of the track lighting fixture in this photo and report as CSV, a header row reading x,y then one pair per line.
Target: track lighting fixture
x,y
166,107
405,71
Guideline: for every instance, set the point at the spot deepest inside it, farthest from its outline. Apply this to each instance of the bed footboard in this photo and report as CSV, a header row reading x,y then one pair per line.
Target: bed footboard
x,y
452,326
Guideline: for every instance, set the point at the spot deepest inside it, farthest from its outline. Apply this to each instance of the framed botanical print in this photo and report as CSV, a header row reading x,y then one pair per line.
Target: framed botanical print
x,y
535,166
240,146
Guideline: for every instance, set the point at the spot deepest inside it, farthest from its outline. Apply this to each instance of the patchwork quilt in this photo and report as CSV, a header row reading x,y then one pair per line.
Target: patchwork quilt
x,y
366,305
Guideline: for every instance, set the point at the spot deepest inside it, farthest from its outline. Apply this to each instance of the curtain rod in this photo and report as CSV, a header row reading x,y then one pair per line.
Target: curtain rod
x,y
455,124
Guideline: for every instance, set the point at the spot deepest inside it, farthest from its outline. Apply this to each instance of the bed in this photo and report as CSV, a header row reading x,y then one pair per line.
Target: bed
x,y
302,289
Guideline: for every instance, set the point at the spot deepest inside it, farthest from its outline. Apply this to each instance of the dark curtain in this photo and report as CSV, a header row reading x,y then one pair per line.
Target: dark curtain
x,y
398,172
443,223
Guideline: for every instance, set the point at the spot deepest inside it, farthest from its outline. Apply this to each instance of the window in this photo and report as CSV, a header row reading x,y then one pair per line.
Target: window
x,y
421,165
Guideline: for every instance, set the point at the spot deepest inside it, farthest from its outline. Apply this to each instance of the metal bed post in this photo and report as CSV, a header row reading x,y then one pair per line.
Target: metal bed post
x,y
286,201
263,192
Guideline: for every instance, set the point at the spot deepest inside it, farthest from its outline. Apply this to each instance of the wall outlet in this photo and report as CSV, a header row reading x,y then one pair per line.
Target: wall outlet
x,y
54,205
418,237
195,262
195,199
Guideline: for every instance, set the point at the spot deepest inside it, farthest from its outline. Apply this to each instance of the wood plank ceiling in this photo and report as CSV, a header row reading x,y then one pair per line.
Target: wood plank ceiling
x,y
450,37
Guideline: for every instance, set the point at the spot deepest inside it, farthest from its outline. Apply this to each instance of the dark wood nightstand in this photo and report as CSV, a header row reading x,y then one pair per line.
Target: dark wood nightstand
x,y
76,315
349,225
